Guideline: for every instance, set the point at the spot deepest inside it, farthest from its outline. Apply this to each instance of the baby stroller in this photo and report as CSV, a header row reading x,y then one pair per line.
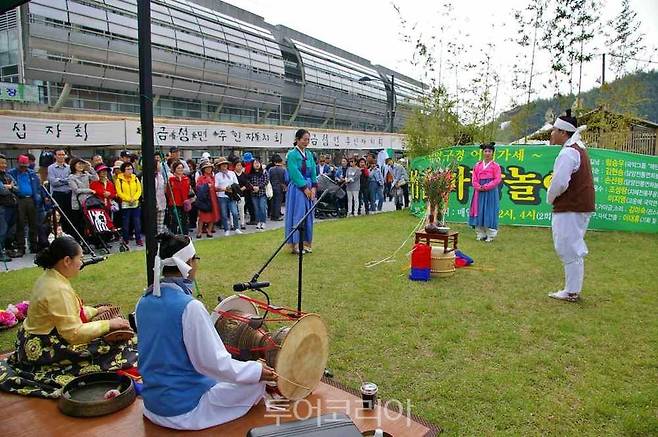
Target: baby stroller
x,y
329,203
330,206
99,225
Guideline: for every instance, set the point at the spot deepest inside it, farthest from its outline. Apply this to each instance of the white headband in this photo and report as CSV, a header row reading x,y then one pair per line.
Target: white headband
x,y
179,259
564,125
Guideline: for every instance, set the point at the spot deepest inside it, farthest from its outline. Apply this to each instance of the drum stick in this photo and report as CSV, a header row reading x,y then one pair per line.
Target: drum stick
x,y
292,382
260,360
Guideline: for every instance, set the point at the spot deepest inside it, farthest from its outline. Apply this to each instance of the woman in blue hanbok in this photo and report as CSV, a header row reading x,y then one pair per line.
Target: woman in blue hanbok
x,y
301,190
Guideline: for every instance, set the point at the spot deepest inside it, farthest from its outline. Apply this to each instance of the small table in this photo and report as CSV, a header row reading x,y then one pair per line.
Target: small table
x,y
451,236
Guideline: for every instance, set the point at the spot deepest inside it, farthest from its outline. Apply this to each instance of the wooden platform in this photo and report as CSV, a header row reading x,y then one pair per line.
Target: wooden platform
x,y
23,416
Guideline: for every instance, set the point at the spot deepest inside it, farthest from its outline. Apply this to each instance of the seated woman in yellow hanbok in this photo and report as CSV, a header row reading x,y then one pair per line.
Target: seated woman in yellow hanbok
x,y
57,340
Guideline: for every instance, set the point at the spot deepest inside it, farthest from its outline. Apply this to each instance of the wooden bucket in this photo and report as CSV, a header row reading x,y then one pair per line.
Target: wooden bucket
x,y
443,263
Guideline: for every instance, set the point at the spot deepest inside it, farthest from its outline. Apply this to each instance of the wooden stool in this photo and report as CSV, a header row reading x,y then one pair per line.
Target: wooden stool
x,y
446,239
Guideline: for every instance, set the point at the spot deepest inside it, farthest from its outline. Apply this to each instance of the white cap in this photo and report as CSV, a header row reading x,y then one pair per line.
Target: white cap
x,y
205,155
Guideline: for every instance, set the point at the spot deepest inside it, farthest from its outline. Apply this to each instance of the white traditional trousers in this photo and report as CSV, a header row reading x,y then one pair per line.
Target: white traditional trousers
x,y
569,240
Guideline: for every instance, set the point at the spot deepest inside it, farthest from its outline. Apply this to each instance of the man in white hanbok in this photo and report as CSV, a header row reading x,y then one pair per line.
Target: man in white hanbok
x,y
572,195
190,380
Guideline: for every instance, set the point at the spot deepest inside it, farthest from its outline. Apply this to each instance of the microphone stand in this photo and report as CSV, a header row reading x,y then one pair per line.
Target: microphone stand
x,y
299,227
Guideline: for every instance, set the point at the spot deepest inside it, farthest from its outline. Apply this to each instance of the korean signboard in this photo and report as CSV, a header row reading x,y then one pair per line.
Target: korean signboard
x,y
42,132
45,132
256,136
626,186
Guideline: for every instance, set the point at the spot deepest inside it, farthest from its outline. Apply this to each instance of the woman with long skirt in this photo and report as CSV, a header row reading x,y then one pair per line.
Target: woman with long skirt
x,y
485,205
60,340
301,190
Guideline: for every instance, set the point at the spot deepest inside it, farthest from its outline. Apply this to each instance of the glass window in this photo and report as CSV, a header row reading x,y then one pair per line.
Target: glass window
x,y
190,43
87,11
159,16
163,36
122,19
236,51
185,24
55,10
4,42
124,5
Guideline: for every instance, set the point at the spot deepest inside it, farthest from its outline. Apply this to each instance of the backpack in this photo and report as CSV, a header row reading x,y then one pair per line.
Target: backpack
x,y
203,201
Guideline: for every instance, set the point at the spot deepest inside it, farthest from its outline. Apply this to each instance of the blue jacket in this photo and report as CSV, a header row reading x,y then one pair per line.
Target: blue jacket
x,y
327,169
34,181
376,176
172,386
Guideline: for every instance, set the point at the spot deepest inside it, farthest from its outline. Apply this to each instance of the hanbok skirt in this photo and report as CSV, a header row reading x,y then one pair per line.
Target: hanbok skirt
x,y
297,204
43,364
485,207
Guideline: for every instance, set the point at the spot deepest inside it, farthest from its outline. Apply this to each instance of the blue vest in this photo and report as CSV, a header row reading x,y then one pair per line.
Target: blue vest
x,y
171,384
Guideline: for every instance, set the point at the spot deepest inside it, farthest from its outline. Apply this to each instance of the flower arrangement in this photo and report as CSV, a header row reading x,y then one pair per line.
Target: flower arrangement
x,y
437,184
7,319
13,314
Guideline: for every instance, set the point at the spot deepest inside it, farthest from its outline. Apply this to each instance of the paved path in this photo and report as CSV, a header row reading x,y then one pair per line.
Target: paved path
x,y
28,260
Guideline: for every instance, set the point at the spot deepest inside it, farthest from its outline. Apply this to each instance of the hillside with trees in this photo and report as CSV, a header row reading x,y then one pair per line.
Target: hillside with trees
x,y
634,95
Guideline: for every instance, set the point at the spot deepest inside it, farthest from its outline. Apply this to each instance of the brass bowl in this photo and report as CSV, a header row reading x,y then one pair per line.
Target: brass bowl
x,y
84,395
372,433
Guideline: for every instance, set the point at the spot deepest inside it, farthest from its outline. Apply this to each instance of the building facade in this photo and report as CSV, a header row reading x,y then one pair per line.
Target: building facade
x,y
211,61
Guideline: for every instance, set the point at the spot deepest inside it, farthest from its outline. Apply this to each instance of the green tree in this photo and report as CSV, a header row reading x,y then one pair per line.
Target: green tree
x,y
523,70
623,38
586,20
433,125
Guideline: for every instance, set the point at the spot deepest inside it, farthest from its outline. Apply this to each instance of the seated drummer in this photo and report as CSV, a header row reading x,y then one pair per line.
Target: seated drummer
x,y
57,341
190,380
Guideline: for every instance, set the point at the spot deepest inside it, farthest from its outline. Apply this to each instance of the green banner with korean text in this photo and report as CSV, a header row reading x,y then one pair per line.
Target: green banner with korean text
x,y
626,186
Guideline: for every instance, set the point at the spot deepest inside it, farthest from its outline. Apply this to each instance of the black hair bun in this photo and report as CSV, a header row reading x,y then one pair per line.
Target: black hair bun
x,y
490,145
44,258
60,248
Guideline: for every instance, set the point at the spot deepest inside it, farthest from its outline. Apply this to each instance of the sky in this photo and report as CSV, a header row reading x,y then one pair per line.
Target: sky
x,y
371,29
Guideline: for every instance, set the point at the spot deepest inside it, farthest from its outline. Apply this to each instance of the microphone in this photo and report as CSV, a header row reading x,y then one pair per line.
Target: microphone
x,y
244,286
92,260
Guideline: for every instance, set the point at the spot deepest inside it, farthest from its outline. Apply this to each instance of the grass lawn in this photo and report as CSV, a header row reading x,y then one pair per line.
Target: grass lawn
x,y
485,351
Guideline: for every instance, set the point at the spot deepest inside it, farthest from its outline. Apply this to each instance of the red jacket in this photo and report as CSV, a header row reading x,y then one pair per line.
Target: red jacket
x,y
99,191
180,188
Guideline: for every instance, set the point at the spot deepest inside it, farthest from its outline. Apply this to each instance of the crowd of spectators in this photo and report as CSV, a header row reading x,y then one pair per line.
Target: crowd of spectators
x,y
231,193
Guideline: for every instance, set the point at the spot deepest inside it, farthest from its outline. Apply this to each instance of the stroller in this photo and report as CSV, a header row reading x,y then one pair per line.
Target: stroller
x,y
99,226
329,204
330,207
